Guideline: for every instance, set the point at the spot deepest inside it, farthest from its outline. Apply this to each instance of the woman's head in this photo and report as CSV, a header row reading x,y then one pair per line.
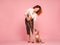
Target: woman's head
x,y
37,9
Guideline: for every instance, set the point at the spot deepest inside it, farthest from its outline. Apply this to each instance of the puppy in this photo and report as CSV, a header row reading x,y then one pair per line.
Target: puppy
x,y
37,36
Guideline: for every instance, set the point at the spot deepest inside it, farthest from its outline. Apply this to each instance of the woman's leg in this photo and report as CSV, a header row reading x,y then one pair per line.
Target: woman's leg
x,y
32,27
27,28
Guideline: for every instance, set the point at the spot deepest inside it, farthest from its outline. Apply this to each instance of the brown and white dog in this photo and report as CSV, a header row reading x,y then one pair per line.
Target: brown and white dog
x,y
37,36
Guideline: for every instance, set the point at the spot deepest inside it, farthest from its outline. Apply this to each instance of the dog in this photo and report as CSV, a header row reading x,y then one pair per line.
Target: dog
x,y
37,36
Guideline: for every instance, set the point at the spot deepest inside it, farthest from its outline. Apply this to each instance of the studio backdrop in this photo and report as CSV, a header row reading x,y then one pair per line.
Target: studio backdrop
x,y
12,23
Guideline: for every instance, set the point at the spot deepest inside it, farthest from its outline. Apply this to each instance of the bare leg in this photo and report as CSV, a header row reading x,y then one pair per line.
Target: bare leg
x,y
29,38
32,37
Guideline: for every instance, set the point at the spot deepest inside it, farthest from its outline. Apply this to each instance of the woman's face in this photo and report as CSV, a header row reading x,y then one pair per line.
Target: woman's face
x,y
36,9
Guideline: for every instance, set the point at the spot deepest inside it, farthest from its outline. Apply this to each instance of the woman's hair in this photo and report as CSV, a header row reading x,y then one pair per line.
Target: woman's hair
x,y
39,11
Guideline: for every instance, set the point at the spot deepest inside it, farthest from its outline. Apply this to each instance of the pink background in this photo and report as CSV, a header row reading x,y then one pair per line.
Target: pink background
x,y
12,25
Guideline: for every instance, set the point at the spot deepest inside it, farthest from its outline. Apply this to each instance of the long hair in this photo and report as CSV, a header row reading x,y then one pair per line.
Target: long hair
x,y
39,11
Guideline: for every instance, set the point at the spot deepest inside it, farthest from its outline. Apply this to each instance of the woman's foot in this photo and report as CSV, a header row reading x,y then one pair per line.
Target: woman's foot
x,y
32,41
28,41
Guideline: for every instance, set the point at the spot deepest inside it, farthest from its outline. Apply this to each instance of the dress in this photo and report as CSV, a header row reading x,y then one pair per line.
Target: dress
x,y
30,26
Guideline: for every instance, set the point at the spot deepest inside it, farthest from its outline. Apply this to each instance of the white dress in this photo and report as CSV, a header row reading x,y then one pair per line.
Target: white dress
x,y
31,13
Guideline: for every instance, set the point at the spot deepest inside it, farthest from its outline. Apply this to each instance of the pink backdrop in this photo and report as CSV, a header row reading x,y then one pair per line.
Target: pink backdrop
x,y
12,25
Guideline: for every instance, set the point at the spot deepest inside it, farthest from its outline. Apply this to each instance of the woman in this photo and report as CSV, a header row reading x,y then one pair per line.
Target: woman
x,y
30,17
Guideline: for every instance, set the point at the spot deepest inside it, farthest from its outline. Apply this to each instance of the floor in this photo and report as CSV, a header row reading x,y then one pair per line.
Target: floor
x,y
25,43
